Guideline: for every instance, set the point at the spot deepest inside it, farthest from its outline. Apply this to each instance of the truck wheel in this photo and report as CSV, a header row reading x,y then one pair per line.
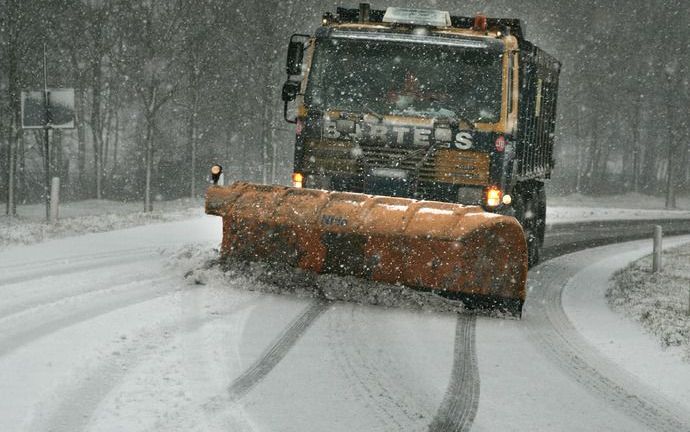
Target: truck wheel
x,y
540,195
533,248
527,213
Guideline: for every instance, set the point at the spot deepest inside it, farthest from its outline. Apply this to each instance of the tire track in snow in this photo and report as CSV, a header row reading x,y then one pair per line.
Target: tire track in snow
x,y
52,296
79,404
371,373
42,263
458,408
460,403
277,351
10,341
550,329
70,266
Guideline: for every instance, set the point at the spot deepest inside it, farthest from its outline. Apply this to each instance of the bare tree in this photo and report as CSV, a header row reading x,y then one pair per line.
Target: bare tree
x,y
149,59
19,24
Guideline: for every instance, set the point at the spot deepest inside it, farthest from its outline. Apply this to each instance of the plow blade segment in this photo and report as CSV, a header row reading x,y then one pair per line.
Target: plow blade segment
x,y
459,250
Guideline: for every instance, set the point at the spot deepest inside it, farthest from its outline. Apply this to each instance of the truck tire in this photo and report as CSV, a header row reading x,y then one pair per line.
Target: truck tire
x,y
529,211
541,214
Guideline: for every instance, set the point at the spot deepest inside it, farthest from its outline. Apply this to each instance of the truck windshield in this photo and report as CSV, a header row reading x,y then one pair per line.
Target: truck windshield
x,y
404,78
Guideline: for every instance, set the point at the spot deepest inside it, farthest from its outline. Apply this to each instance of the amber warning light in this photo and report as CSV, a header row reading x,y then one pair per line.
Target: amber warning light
x,y
479,22
297,179
216,171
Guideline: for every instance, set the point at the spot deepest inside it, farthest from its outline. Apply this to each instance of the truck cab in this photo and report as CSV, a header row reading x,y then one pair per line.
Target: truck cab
x,y
421,104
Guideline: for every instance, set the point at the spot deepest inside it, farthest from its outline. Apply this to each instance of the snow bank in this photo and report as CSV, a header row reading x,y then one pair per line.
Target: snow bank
x,y
630,206
557,214
659,301
620,201
200,265
89,217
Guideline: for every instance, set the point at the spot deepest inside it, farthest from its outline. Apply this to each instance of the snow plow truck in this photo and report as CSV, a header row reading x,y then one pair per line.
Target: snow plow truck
x,y
422,144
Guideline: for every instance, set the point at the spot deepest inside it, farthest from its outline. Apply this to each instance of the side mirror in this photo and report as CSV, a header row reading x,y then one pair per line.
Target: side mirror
x,y
290,90
295,54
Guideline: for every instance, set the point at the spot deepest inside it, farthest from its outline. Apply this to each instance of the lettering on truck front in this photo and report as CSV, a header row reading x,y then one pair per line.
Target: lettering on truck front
x,y
400,135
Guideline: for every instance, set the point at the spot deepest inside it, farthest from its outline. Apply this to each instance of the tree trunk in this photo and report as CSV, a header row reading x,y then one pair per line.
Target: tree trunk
x,y
80,126
265,120
636,145
193,140
148,205
116,143
151,110
20,156
648,177
4,159
684,173
15,131
107,127
602,170
593,161
670,167
96,124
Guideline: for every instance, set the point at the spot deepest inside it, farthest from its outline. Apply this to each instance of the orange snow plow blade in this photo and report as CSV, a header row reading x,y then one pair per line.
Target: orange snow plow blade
x,y
459,251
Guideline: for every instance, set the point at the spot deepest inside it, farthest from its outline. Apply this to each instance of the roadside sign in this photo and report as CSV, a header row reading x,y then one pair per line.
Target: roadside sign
x,y
60,113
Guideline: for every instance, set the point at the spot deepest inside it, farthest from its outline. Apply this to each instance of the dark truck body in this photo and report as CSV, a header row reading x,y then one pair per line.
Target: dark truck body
x,y
378,145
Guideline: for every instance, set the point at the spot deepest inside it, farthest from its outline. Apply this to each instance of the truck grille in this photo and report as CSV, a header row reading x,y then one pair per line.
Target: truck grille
x,y
329,156
444,165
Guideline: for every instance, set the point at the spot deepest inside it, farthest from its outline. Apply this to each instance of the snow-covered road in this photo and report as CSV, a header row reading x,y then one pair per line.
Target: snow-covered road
x,y
549,371
98,333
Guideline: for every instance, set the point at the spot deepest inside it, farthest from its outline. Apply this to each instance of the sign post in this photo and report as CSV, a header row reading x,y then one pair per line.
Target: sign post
x,y
55,199
46,138
47,109
656,251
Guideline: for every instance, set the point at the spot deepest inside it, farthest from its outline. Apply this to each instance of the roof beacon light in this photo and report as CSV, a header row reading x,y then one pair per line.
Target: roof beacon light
x,y
479,22
422,17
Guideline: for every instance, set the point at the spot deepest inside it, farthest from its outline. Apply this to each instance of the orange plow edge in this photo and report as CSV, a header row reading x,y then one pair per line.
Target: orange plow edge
x,y
458,251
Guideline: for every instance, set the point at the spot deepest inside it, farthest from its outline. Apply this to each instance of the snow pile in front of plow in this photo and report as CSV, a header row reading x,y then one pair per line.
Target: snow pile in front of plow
x,y
200,265
659,301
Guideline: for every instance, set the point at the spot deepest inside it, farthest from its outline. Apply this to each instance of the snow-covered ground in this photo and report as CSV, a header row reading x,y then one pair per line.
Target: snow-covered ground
x,y
556,214
628,200
658,301
89,216
631,206
617,337
572,363
132,330
111,331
